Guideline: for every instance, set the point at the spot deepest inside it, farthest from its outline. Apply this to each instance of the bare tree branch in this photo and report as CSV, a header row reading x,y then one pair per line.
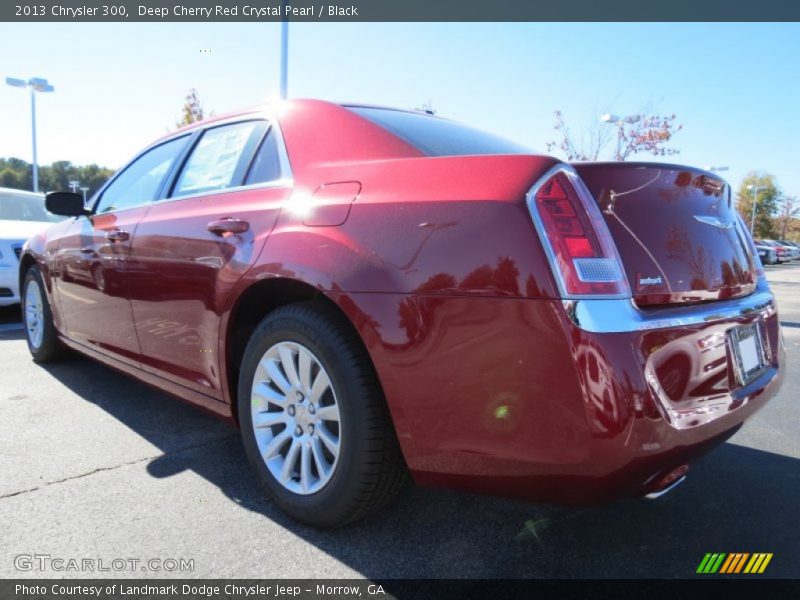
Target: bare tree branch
x,y
643,132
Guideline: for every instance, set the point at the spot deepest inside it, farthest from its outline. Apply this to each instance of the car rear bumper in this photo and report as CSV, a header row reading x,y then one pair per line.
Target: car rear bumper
x,y
521,398
675,369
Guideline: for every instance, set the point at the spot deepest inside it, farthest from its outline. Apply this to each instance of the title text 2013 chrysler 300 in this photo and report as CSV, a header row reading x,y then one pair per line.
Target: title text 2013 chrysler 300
x,y
368,292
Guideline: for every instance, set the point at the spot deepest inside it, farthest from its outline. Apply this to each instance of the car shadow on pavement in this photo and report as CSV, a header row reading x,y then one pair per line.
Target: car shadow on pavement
x,y
737,499
11,323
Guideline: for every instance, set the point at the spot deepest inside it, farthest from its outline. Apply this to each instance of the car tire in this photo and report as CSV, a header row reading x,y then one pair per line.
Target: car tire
x,y
37,319
326,456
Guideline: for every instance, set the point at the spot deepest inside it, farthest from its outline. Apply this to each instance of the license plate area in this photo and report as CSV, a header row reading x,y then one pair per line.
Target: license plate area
x,y
746,346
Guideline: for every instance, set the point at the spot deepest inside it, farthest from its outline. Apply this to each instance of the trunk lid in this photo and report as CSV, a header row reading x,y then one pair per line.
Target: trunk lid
x,y
677,232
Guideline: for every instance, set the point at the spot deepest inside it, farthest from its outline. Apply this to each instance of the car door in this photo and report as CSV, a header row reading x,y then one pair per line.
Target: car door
x,y
93,257
191,248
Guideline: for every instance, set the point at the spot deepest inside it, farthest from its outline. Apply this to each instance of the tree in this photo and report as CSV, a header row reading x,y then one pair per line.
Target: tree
x,y
765,190
16,173
788,212
640,133
192,110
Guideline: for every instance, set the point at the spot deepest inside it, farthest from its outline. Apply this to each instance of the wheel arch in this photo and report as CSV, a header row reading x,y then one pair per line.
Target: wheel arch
x,y
253,304
26,261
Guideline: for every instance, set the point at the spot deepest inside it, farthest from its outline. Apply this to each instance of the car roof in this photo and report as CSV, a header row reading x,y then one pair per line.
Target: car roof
x,y
272,108
16,192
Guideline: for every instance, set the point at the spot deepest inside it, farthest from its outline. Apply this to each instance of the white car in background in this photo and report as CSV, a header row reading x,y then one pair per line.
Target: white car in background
x,y
22,214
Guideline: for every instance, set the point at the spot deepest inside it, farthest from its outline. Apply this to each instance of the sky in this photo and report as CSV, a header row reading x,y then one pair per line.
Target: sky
x,y
118,86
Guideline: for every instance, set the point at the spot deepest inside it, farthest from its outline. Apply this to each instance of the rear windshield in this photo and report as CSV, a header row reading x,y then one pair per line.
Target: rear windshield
x,y
438,137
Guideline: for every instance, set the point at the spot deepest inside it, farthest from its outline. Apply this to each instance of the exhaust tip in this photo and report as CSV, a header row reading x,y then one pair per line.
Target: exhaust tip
x,y
667,483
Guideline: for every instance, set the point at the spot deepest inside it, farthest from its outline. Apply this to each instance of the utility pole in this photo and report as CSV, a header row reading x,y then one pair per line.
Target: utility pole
x,y
756,189
284,50
35,84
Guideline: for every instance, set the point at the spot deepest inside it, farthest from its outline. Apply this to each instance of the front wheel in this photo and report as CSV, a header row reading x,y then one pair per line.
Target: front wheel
x,y
37,317
314,422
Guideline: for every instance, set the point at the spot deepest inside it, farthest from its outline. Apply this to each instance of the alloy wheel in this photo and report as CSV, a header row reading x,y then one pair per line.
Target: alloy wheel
x,y
34,313
296,418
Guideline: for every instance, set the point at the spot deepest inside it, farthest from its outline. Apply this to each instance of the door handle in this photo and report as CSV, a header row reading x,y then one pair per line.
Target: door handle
x,y
227,227
118,235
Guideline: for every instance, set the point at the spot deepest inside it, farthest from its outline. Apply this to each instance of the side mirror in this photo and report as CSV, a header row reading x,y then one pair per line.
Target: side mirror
x,y
66,204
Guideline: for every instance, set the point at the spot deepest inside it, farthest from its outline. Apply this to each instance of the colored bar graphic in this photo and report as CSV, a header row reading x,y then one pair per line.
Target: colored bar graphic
x,y
703,563
764,564
741,562
754,563
734,562
711,563
728,564
715,567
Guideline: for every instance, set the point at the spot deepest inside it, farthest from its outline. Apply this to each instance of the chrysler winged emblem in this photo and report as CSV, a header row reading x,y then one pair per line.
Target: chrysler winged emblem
x,y
714,221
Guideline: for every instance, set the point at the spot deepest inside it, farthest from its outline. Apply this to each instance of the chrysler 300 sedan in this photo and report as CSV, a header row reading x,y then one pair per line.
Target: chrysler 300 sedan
x,y
368,293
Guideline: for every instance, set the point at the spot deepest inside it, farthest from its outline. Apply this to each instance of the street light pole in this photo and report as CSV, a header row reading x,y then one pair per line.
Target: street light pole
x,y
36,84
33,137
756,189
84,190
284,52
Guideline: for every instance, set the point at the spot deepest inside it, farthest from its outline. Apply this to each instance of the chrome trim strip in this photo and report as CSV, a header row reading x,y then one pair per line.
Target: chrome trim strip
x,y
282,182
666,490
622,315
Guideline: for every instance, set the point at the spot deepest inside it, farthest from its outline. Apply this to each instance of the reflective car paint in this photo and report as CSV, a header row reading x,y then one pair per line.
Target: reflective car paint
x,y
437,266
92,282
676,229
181,275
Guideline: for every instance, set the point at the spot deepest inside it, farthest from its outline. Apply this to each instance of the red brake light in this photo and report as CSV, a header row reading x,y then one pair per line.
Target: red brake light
x,y
579,243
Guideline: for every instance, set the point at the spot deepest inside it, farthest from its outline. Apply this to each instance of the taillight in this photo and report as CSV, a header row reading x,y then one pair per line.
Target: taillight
x,y
575,236
747,239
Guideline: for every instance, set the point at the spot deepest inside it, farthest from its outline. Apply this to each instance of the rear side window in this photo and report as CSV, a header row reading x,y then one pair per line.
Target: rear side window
x,y
140,181
438,137
267,163
219,159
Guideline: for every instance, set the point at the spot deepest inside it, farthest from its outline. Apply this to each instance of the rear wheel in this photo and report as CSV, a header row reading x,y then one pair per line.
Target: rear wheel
x,y
314,422
37,318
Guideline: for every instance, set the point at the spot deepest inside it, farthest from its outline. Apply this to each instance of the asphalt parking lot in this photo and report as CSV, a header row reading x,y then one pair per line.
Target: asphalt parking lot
x,y
95,465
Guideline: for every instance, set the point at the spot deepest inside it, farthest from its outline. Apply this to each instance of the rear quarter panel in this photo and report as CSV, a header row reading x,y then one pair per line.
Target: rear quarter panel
x,y
441,272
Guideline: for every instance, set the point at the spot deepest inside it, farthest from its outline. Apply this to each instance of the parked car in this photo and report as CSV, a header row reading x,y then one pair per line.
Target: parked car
x,y
22,214
793,248
784,253
369,291
768,254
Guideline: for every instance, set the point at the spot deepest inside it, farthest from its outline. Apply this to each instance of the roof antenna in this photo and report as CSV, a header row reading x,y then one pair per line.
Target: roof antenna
x,y
426,108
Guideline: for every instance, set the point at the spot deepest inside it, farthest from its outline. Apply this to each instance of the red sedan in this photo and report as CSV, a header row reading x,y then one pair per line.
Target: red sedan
x,y
370,292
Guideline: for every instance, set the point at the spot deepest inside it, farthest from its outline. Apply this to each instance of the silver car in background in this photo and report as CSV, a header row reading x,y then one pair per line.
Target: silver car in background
x,y
22,214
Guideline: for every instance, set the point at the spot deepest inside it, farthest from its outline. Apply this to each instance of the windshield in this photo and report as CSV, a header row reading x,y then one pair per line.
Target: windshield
x,y
22,207
438,137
